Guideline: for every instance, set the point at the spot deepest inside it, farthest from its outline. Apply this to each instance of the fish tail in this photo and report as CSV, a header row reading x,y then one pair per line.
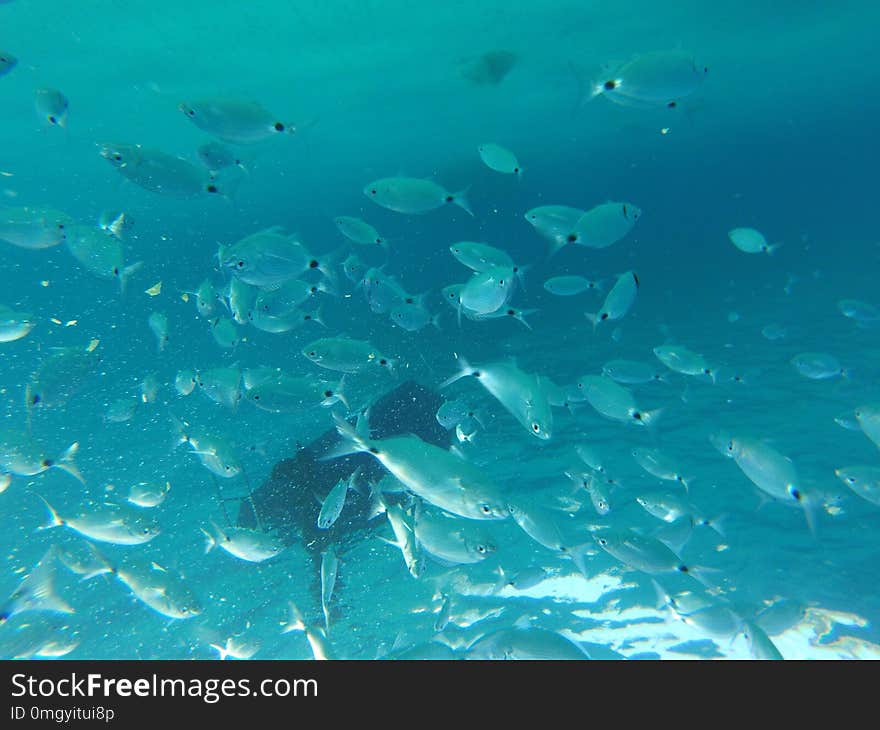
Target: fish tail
x,y
464,371
718,524
435,321
210,540
593,317
295,623
773,248
126,273
701,573
337,395
578,555
356,443
522,317
461,200
222,651
54,519
556,245
104,565
180,434
40,588
66,463
649,418
329,262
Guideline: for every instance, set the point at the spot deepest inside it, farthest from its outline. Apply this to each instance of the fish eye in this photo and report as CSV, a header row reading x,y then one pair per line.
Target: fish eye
x,y
485,509
117,157
794,492
481,549
373,191
602,541
279,127
257,396
536,428
610,85
240,264
313,354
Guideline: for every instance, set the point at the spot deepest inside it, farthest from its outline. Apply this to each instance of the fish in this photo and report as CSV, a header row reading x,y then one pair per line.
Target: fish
x,y
121,410
346,355
287,299
242,300
618,301
39,638
412,315
569,286
523,394
225,333
761,646
680,359
868,417
283,393
556,223
111,525
605,224
453,412
382,292
440,477
632,372
404,539
36,591
329,569
659,465
158,323
487,291
645,554
159,589
215,454
414,196
499,159
359,231
216,156
655,79
7,62
15,324
34,227
148,494
253,546
316,637
539,524
334,502
862,480
862,312
150,387
51,106
613,401
267,259
748,240
480,256
206,298
818,365
354,269
525,643
595,489
238,121
159,172
185,382
450,540
100,254
488,69
221,385
21,455
61,376
770,471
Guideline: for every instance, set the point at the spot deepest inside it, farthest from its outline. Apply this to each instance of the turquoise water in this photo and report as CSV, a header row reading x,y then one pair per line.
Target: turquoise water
x,y
778,137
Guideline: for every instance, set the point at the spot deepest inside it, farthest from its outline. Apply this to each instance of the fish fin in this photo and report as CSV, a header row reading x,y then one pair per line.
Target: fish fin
x,y
38,587
578,553
388,541
337,395
676,534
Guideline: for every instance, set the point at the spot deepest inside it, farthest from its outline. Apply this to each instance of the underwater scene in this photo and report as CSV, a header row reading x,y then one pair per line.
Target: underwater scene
x,y
464,330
